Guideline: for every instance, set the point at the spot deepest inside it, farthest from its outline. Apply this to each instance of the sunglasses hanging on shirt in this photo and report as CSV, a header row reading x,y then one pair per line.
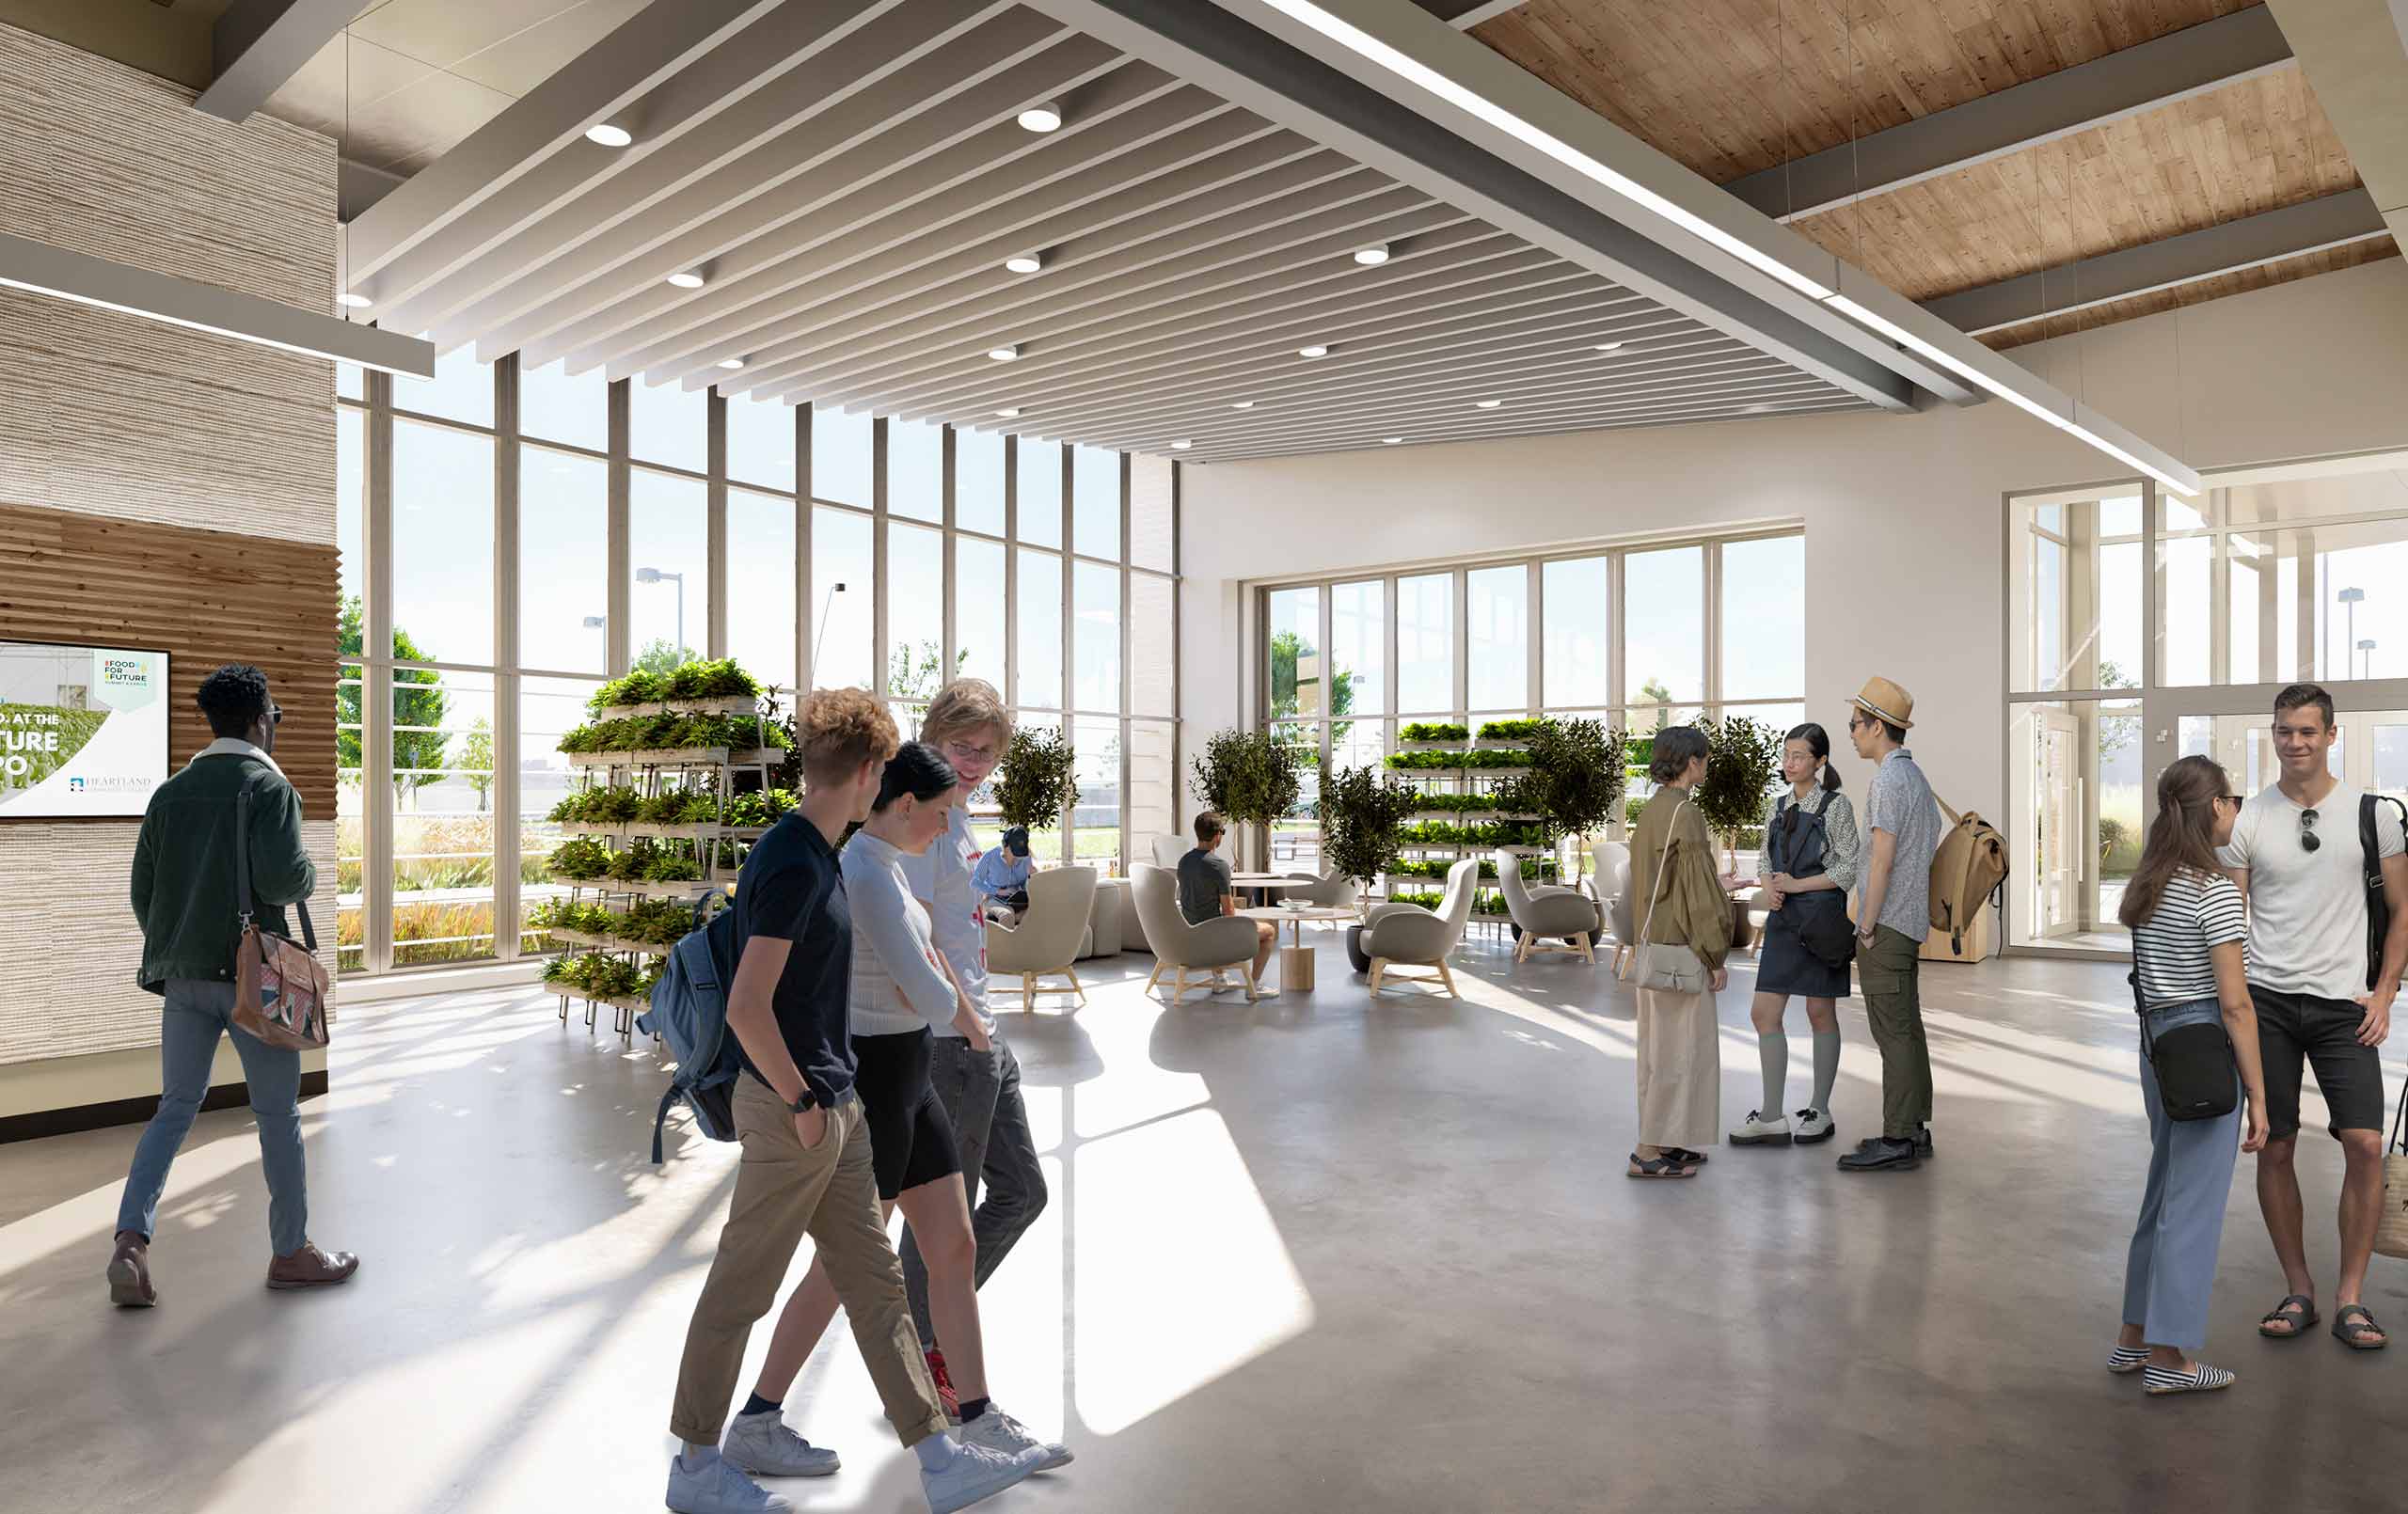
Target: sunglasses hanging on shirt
x,y
2308,841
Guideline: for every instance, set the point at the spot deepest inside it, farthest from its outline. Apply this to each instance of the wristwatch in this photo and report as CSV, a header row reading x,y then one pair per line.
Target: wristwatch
x,y
803,1105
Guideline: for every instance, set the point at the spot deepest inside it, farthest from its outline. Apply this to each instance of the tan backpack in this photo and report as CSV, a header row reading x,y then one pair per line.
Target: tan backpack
x,y
1967,873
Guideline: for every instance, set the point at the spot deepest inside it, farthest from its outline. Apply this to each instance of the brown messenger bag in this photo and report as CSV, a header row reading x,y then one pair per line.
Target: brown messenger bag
x,y
280,989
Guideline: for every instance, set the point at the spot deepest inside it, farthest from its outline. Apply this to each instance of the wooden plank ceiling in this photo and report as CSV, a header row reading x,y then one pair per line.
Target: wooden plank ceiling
x,y
1731,87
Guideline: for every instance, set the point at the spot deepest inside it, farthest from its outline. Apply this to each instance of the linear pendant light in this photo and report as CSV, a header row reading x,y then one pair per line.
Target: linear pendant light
x,y
42,269
2178,478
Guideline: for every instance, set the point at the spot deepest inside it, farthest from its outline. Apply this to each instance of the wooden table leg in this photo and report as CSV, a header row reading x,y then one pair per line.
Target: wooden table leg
x,y
1296,969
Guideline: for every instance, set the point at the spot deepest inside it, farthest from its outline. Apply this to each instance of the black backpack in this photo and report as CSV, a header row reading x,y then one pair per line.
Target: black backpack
x,y
2377,905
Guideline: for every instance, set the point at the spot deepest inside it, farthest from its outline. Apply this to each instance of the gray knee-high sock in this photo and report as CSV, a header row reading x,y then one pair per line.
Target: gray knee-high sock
x,y
1826,1067
1772,1051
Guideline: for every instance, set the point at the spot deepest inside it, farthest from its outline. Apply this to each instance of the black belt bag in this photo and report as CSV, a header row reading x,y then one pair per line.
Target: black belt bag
x,y
2197,1078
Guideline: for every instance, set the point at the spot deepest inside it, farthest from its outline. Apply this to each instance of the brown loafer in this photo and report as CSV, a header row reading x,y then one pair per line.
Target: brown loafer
x,y
130,1273
310,1267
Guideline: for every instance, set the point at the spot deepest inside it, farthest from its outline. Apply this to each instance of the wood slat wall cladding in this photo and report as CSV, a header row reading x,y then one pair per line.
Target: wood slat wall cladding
x,y
1730,87
205,598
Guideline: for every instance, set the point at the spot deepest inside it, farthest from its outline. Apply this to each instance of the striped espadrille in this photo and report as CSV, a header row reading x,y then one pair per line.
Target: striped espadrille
x,y
2124,1360
2200,1379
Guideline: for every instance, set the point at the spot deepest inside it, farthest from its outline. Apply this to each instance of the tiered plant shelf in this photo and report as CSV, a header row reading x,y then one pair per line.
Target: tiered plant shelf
x,y
1457,774
654,824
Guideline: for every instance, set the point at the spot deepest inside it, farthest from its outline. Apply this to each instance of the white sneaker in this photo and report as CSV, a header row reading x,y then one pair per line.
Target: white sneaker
x,y
719,1488
1755,1130
976,1473
998,1432
763,1445
1814,1126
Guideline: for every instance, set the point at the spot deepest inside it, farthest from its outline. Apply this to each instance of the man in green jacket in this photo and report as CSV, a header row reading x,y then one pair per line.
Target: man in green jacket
x,y
184,896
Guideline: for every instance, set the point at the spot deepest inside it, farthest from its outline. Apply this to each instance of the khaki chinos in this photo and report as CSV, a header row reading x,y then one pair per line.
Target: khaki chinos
x,y
783,1190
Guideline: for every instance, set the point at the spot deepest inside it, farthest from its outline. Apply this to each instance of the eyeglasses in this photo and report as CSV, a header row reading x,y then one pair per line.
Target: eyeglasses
x,y
962,751
2308,837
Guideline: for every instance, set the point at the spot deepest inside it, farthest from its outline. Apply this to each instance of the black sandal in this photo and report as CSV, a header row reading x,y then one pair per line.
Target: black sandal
x,y
2360,1334
1686,1157
2301,1323
1658,1167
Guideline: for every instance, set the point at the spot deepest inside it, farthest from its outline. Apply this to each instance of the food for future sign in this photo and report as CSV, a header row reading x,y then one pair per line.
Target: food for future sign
x,y
83,730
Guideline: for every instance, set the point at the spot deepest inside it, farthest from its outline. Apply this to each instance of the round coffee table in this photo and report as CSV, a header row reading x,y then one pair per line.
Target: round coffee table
x,y
1296,959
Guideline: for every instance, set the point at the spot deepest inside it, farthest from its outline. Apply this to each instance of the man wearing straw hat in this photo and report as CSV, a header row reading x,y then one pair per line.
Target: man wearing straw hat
x,y
1893,917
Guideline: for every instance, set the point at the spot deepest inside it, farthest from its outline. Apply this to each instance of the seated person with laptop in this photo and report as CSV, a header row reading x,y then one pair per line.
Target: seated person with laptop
x,y
1206,888
1002,875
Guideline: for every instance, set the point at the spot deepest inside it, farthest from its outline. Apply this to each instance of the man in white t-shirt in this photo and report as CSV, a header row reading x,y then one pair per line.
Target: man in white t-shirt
x,y
2296,854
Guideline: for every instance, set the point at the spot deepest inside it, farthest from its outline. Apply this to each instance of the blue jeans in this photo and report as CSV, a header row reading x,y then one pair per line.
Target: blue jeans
x,y
2172,1266
196,1012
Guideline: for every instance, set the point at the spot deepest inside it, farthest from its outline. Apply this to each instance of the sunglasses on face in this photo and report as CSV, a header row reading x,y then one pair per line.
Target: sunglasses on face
x,y
275,716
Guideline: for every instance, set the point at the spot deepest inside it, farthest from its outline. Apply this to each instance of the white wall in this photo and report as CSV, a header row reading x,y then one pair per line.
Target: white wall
x,y
1903,514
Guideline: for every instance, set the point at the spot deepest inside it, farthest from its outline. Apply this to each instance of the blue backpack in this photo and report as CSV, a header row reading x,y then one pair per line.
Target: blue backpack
x,y
690,1014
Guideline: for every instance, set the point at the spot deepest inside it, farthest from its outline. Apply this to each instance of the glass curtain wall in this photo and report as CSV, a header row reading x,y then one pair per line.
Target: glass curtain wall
x,y
509,538
1637,637
2143,626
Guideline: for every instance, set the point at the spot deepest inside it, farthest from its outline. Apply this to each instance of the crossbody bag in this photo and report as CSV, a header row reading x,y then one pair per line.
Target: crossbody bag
x,y
2196,1076
1667,968
279,986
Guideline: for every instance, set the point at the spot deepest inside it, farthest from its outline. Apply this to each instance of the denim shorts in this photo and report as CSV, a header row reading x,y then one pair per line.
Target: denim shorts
x,y
2295,1030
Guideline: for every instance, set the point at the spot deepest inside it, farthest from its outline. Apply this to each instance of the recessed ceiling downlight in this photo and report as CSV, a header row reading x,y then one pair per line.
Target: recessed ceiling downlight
x,y
1003,355
1391,441
1043,118
687,280
1025,263
731,364
1373,256
1011,413
1243,404
1183,446
1609,346
1315,351
605,135
1490,404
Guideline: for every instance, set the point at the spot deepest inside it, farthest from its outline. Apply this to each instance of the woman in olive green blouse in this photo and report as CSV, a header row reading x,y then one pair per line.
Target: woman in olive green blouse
x,y
1679,902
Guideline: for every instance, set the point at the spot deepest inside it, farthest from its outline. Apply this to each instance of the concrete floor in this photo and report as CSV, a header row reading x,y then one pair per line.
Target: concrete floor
x,y
1313,1255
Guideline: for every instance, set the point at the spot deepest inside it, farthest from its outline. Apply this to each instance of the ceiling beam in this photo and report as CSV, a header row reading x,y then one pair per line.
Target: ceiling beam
x,y
258,44
2242,45
2251,242
651,47
1472,15
1324,91
2357,55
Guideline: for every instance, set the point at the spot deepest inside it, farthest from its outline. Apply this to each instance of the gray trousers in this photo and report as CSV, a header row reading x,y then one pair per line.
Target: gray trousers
x,y
2173,1263
980,1092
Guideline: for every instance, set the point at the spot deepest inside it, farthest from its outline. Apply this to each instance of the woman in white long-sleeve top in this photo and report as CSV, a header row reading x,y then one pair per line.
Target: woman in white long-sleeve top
x,y
901,986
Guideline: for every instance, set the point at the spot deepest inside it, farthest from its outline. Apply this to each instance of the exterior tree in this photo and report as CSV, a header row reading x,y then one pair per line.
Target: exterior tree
x,y
476,761
664,656
916,672
419,707
1287,650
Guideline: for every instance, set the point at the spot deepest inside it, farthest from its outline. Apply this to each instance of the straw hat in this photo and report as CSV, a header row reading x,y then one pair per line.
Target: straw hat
x,y
1885,701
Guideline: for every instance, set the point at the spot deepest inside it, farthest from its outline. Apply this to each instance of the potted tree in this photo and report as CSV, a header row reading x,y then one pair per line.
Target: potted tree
x,y
1744,759
1360,812
1574,784
1251,777
1038,780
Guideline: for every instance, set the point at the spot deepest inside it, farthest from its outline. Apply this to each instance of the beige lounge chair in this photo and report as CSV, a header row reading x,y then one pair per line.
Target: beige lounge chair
x,y
1045,944
1410,936
1552,918
1180,948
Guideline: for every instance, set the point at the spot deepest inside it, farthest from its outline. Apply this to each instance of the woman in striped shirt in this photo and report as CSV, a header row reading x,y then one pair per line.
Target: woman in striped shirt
x,y
2188,924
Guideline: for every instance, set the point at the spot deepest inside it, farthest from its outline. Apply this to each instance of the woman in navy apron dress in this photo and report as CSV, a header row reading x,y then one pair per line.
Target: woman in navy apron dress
x,y
1807,866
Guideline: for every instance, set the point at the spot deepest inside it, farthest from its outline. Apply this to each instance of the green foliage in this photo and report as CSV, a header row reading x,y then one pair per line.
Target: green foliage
x,y
674,733
419,703
660,656
1430,731
1457,803
759,809
1535,869
476,761
1511,730
680,807
1576,777
1250,777
1359,816
597,806
1743,761
657,681
1427,899
1486,833
1437,762
917,672
1037,779
598,975
581,859
1631,808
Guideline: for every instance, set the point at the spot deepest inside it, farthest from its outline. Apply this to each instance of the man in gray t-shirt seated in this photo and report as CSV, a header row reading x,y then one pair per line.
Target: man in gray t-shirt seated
x,y
1206,891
